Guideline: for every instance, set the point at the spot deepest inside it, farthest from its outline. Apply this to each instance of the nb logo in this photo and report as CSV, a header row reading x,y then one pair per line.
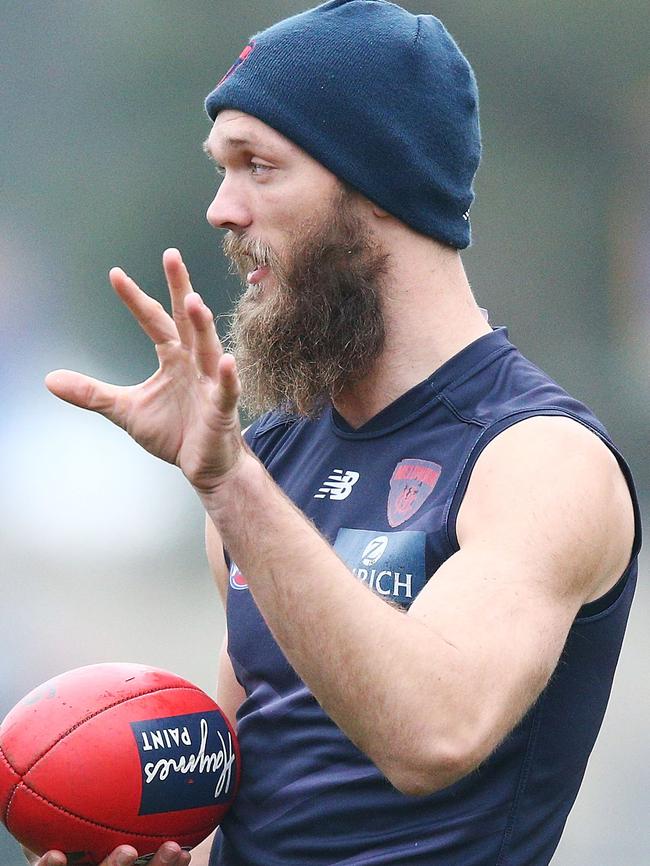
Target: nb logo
x,y
339,485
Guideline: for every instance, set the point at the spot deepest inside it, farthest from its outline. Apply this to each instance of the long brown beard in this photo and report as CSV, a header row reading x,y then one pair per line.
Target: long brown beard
x,y
321,328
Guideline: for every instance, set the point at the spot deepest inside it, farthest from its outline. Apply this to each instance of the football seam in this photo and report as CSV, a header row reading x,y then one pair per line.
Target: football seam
x,y
94,716
130,833
6,760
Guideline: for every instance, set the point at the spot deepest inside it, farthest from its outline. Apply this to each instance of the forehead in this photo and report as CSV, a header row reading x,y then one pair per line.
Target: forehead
x,y
234,129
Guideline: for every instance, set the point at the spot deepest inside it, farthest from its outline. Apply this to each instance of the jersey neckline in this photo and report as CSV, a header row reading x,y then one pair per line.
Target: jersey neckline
x,y
418,398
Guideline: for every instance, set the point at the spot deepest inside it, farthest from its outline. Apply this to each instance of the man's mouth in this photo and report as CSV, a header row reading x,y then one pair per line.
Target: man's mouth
x,y
257,275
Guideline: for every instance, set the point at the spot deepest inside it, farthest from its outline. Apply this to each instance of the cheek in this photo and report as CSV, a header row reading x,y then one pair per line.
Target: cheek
x,y
287,206
273,223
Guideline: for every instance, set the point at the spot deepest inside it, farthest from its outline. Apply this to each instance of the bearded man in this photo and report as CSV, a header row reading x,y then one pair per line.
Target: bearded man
x,y
426,548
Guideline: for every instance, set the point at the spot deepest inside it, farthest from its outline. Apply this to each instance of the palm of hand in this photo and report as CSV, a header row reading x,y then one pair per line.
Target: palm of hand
x,y
186,413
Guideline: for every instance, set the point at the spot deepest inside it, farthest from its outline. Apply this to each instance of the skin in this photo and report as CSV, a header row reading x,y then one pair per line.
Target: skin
x,y
168,854
488,631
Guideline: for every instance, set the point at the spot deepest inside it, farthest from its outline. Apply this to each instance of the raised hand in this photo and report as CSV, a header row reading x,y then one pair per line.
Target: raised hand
x,y
186,413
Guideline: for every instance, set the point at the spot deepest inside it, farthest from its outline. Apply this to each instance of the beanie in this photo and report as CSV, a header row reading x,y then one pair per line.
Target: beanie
x,y
382,98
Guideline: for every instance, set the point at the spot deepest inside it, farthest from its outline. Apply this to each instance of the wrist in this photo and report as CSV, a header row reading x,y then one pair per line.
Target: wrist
x,y
221,498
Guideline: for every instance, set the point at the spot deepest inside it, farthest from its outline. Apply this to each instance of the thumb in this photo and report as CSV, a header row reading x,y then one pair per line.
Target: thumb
x,y
85,392
51,858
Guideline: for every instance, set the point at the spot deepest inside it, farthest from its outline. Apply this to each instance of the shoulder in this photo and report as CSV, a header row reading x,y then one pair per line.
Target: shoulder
x,y
268,431
270,421
550,489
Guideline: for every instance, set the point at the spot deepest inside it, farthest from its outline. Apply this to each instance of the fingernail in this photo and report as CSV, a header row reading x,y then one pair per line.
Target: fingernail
x,y
124,858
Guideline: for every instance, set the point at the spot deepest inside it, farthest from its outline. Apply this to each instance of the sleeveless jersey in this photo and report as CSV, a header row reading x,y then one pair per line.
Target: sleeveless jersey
x,y
386,496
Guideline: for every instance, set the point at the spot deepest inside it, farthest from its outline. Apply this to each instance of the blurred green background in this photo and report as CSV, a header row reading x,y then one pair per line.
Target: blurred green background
x,y
101,125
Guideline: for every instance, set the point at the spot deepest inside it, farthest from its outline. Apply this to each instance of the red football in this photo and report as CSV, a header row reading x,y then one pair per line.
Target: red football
x,y
115,754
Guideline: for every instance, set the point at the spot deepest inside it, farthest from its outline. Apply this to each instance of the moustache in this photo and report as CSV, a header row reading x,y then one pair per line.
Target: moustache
x,y
246,253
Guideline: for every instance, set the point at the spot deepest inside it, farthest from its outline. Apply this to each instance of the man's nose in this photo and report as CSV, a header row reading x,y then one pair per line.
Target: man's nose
x,y
228,210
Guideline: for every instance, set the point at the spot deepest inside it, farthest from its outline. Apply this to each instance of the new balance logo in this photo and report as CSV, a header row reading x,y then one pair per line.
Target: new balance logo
x,y
339,485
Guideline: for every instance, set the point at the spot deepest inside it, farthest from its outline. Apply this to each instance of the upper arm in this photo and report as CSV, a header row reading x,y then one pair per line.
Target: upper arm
x,y
546,525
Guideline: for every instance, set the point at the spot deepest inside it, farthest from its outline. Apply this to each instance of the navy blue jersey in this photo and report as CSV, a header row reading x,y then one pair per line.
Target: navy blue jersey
x,y
386,496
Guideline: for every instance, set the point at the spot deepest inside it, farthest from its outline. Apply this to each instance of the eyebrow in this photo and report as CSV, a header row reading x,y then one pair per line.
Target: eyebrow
x,y
228,142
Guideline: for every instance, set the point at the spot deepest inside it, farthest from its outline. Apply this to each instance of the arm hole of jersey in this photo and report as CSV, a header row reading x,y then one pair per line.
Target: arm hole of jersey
x,y
609,598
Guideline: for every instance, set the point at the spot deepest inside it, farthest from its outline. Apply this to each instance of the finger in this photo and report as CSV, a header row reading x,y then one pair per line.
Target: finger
x,y
157,324
230,390
179,284
206,346
87,393
170,854
125,855
50,858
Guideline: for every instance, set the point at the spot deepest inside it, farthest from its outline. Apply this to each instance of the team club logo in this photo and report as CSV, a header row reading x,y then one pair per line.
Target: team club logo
x,y
339,485
411,485
237,579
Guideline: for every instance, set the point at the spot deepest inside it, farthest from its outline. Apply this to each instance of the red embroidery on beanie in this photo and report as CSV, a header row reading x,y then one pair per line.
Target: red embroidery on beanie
x,y
245,53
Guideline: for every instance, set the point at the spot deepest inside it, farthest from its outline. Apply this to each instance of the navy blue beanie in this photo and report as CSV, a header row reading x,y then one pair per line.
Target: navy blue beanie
x,y
382,98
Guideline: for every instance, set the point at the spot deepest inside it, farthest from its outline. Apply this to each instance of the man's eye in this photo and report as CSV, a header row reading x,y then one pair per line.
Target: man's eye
x,y
258,167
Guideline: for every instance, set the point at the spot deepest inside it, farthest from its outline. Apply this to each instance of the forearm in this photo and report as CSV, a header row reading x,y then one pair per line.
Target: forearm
x,y
339,636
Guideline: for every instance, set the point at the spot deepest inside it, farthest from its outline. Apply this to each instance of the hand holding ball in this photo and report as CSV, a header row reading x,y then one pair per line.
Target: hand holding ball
x,y
115,754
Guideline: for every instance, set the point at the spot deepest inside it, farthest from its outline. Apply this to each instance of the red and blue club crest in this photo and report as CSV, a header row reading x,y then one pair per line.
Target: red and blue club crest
x,y
411,484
